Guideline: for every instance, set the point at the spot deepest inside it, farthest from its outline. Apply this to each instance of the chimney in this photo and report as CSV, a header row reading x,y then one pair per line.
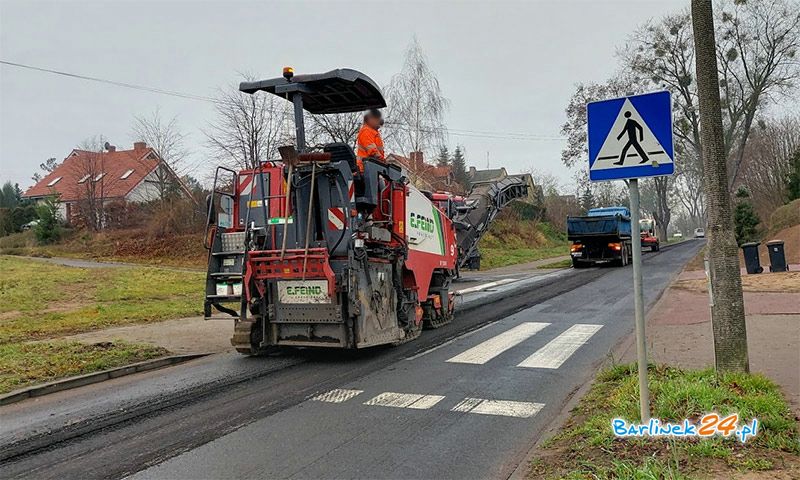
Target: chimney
x,y
416,160
137,146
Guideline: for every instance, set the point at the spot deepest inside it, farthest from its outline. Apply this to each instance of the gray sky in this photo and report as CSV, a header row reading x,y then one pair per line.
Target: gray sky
x,y
505,66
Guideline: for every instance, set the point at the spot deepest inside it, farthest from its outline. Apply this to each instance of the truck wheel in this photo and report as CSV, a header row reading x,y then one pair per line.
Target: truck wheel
x,y
577,264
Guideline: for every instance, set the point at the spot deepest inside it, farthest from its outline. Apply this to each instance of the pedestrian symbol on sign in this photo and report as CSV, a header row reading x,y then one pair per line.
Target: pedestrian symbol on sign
x,y
630,137
632,127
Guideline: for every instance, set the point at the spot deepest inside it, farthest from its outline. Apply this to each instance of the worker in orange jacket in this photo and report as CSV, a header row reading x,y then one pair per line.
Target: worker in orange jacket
x,y
370,143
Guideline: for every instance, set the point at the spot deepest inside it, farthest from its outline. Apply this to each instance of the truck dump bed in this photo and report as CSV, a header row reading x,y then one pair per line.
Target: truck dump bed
x,y
600,222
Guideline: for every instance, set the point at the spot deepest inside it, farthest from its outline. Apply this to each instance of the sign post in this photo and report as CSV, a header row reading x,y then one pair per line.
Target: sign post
x,y
638,303
630,138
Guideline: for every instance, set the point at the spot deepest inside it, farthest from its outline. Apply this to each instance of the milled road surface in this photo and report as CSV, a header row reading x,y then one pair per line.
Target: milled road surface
x,y
464,401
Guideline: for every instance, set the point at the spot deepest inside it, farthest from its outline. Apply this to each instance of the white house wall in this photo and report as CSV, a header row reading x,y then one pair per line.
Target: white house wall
x,y
146,191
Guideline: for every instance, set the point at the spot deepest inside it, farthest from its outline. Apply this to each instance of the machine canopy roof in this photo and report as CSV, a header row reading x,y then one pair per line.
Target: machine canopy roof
x,y
338,91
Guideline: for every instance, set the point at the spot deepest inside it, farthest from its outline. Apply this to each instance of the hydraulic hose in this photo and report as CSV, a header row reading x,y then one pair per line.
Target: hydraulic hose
x,y
309,215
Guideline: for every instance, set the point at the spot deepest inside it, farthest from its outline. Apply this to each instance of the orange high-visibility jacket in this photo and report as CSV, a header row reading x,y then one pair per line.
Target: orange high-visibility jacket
x,y
369,143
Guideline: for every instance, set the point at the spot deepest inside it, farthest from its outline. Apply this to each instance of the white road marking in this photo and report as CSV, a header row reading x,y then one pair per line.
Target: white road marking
x,y
558,350
405,400
460,337
483,352
504,408
337,395
478,288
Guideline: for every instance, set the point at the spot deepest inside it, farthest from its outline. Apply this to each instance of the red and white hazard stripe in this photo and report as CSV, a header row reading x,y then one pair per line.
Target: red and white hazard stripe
x,y
245,184
351,191
336,218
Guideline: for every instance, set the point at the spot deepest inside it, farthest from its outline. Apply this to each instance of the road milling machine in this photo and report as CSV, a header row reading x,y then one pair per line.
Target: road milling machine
x,y
321,249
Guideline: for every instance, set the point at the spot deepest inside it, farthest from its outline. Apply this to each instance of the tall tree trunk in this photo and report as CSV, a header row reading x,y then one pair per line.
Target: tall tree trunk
x,y
727,310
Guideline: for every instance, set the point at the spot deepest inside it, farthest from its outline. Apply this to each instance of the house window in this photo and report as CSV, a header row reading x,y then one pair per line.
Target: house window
x,y
99,176
126,174
84,178
54,181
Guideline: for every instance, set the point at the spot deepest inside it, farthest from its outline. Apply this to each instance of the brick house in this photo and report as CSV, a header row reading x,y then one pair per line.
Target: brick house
x,y
424,175
86,177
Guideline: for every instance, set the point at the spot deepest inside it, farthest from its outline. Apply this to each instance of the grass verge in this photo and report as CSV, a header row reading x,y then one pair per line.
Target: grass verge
x,y
511,240
26,364
40,302
587,449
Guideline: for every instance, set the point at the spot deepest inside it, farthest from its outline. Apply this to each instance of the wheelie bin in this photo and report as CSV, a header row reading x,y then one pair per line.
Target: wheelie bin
x,y
751,261
777,257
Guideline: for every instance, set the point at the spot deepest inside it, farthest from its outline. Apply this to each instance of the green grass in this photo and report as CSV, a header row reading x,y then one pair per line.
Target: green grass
x,y
25,364
499,257
588,442
510,241
41,300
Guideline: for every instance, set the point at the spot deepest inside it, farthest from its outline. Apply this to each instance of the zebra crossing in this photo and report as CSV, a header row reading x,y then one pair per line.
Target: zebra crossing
x,y
416,401
552,355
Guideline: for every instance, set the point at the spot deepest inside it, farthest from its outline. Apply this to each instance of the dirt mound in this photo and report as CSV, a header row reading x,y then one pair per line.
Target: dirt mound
x,y
791,245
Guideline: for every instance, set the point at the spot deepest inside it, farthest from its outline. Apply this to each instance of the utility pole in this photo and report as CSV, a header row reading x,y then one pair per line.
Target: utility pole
x,y
727,309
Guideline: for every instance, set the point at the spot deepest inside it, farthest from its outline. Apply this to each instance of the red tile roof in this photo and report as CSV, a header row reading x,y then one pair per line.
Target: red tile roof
x,y
114,164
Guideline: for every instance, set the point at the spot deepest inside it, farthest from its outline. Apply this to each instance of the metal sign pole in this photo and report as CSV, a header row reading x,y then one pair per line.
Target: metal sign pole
x,y
638,296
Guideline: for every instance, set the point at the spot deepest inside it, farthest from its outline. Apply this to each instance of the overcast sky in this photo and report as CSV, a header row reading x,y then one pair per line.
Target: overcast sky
x,y
505,66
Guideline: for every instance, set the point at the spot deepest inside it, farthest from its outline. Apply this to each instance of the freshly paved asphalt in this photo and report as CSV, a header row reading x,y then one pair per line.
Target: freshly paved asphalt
x,y
404,412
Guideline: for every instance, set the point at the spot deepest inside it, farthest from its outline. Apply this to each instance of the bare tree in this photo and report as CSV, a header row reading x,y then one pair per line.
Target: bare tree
x,y
727,309
47,166
757,48
248,128
167,139
767,162
93,184
577,149
416,106
688,186
656,200
333,128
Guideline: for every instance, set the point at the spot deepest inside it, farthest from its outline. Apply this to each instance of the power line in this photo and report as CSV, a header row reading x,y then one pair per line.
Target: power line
x,y
451,131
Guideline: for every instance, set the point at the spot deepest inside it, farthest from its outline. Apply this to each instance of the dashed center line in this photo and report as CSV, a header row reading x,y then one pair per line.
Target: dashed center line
x,y
483,352
478,288
337,395
405,400
558,350
504,408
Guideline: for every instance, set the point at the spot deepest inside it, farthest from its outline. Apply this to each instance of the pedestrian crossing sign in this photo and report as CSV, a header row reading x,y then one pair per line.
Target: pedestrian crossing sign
x,y
630,137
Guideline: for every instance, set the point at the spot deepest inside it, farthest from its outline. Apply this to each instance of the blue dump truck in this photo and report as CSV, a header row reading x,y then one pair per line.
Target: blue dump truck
x,y
603,236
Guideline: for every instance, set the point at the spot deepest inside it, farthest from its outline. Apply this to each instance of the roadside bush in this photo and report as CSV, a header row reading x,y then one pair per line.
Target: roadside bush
x,y
12,219
122,214
48,230
793,182
745,218
176,217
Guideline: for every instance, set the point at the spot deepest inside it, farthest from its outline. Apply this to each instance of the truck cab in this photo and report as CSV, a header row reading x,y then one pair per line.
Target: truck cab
x,y
647,228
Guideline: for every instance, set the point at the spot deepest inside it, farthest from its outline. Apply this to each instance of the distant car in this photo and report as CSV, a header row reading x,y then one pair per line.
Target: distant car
x,y
677,235
699,233
30,224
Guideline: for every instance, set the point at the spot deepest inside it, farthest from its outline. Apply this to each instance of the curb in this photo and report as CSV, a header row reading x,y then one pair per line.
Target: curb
x,y
96,377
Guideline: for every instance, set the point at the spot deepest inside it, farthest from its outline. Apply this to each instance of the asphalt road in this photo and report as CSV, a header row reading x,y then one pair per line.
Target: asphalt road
x,y
464,401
